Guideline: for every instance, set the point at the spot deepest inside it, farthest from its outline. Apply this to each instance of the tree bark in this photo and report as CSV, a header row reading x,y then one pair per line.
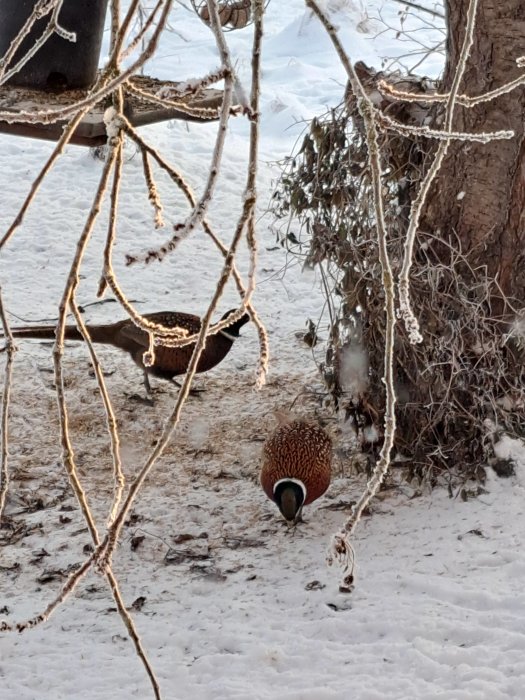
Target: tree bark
x,y
480,191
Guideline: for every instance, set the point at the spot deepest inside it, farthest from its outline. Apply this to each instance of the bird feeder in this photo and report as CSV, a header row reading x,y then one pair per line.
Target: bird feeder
x,y
63,71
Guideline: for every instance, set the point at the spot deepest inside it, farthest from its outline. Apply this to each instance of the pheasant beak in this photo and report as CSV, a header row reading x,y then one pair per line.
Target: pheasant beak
x,y
290,507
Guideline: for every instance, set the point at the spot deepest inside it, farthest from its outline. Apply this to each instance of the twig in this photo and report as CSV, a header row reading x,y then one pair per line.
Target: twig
x,y
10,351
199,211
153,193
68,587
68,299
57,152
440,134
111,420
185,188
341,548
130,626
181,105
405,308
68,456
146,24
421,8
463,100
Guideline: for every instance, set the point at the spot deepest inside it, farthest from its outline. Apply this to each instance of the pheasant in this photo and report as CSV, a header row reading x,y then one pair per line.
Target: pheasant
x,y
169,362
296,469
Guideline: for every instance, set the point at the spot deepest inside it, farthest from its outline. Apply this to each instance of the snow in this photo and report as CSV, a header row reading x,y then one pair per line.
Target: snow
x,y
236,605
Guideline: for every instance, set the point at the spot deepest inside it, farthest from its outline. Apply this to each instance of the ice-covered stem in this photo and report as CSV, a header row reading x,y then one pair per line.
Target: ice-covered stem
x,y
153,193
57,152
190,110
144,28
68,456
387,122
10,352
405,307
67,588
111,421
200,209
115,23
264,346
68,300
189,88
112,222
105,551
492,94
108,277
251,180
463,100
185,188
119,32
367,111
132,631
251,238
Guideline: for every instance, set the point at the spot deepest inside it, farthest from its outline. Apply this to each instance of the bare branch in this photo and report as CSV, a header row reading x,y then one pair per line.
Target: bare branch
x,y
10,351
405,308
341,548
407,130
421,8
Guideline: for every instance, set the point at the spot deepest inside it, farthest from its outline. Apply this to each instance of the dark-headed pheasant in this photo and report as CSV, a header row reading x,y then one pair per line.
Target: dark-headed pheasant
x,y
169,362
297,465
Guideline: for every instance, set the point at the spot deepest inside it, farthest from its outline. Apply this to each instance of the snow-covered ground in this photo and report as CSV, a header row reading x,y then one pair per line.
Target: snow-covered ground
x,y
230,603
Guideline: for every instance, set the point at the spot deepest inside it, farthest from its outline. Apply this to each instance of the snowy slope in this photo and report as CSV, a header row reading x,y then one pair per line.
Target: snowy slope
x,y
230,603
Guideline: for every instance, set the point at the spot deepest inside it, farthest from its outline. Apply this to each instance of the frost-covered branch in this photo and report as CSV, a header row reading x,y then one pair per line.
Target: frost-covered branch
x,y
463,100
10,352
186,190
341,548
153,193
405,308
35,186
182,231
441,135
182,106
420,8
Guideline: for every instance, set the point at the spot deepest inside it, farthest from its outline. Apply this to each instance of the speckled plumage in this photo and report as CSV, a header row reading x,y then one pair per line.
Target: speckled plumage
x,y
169,362
298,450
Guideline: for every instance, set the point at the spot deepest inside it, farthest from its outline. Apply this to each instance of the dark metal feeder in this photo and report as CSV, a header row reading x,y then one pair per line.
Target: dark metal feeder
x,y
59,63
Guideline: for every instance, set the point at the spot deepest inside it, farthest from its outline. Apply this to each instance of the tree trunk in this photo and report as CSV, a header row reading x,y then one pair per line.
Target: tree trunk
x,y
480,191
464,385
468,281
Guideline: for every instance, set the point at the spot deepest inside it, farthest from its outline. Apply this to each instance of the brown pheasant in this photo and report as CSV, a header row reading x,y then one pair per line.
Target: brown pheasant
x,y
296,470
169,362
